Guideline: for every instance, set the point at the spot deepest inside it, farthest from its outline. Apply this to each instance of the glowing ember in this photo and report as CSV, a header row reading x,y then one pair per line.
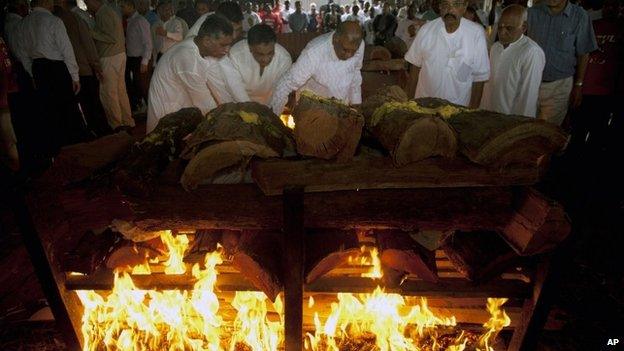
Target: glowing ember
x,y
288,121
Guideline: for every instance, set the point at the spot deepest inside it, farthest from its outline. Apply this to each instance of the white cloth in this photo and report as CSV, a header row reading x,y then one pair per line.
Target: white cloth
x,y
179,81
285,14
84,15
139,38
344,16
402,14
222,81
12,31
402,30
516,74
45,36
369,32
195,28
319,69
250,20
258,87
449,63
176,31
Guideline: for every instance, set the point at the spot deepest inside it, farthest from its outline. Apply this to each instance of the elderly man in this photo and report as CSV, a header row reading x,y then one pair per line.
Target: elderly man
x,y
328,66
258,63
517,63
110,42
565,33
180,78
449,58
168,30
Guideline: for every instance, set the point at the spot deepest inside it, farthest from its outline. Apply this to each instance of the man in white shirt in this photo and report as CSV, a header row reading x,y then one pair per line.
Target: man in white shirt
x,y
285,12
47,54
16,11
517,63
258,63
329,66
168,30
250,18
139,52
180,77
449,58
355,16
346,11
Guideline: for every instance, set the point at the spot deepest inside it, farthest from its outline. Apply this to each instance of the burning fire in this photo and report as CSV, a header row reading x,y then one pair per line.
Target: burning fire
x,y
288,121
129,318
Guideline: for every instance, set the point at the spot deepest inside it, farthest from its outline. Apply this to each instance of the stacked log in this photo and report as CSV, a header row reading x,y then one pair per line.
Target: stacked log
x,y
326,128
327,249
496,140
151,156
231,135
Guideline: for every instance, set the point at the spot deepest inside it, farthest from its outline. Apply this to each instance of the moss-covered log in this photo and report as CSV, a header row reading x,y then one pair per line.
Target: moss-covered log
x,y
326,128
392,93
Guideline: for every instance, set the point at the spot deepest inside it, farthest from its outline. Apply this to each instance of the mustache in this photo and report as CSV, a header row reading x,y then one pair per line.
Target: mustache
x,y
450,15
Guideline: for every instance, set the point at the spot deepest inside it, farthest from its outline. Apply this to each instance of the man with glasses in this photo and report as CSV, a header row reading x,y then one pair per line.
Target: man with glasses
x,y
449,58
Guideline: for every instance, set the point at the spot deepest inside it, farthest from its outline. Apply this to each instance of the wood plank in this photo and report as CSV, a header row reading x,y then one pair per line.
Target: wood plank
x,y
380,173
385,65
293,264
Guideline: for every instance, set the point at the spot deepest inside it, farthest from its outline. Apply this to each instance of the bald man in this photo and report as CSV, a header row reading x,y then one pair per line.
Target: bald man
x,y
517,63
329,66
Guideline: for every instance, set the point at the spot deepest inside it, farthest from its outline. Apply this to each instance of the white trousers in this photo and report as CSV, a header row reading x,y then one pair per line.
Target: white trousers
x,y
553,100
113,92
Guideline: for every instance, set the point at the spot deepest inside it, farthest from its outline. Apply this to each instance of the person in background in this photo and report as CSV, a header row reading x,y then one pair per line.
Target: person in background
x,y
331,19
186,12
565,33
369,30
355,15
449,58
232,11
168,30
84,15
471,15
277,10
516,69
378,7
259,62
143,8
313,22
284,15
250,17
8,142
603,89
409,26
402,10
298,20
180,77
432,10
47,54
16,11
384,25
110,43
346,12
89,68
139,50
329,66
269,18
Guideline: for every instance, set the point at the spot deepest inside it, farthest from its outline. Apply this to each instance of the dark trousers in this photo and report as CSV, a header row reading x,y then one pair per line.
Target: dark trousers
x,y
137,83
91,106
63,123
26,115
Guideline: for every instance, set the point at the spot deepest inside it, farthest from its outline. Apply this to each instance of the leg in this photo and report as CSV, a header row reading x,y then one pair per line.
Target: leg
x,y
293,274
553,100
8,141
122,95
108,91
92,107
131,79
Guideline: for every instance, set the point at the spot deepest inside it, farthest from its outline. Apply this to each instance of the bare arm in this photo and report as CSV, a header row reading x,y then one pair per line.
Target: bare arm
x,y
475,95
576,97
412,81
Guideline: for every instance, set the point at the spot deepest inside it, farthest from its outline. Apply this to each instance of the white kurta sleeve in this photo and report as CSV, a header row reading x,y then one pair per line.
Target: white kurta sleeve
x,y
64,45
525,103
356,84
146,40
177,34
196,85
415,53
233,80
294,79
481,69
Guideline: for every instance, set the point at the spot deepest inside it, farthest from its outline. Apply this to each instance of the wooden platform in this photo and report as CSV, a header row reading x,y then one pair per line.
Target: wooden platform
x,y
379,173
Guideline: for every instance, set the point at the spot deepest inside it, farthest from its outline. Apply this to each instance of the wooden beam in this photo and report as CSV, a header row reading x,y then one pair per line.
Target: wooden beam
x,y
380,173
386,65
294,260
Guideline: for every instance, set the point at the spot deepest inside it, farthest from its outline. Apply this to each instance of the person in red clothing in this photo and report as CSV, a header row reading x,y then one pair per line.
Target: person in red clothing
x,y
602,87
271,18
8,141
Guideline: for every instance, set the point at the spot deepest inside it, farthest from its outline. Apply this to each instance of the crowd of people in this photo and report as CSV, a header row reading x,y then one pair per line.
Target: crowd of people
x,y
73,72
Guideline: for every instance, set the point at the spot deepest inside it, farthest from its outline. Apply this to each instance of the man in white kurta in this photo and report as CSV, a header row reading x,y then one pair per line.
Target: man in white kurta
x,y
449,57
329,66
180,79
168,30
258,63
517,63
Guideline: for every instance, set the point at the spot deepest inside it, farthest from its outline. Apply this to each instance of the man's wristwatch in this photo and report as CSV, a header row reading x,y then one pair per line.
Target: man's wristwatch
x,y
578,84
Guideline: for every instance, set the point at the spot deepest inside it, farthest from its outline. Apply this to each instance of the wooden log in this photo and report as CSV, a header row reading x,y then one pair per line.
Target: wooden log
x,y
538,224
151,156
272,176
400,252
497,140
376,53
392,93
259,259
326,128
327,249
78,162
207,240
91,251
231,135
479,256
389,65
396,46
410,136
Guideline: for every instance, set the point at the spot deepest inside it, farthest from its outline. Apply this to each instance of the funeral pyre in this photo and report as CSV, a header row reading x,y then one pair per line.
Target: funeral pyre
x,y
129,318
